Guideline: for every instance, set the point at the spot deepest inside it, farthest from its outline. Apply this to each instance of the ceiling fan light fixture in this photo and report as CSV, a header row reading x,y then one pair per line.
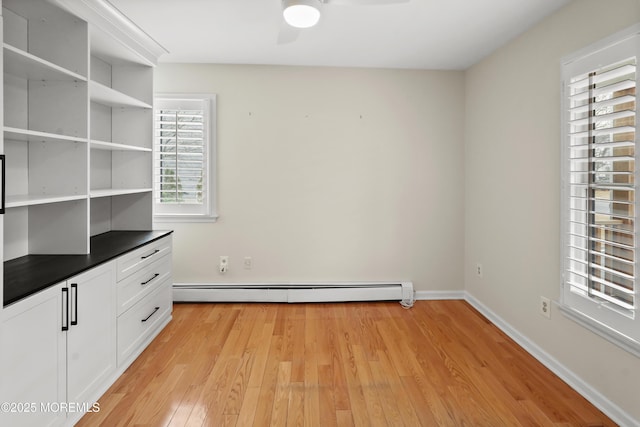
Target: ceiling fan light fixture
x,y
301,13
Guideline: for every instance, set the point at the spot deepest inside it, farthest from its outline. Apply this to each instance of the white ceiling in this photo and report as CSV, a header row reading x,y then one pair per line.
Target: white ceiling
x,y
420,34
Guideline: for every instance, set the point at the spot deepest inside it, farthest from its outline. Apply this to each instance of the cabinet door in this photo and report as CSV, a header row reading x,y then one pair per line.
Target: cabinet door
x,y
91,340
33,361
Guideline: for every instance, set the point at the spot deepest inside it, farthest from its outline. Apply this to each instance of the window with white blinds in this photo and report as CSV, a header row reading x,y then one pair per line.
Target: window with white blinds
x,y
600,258
183,161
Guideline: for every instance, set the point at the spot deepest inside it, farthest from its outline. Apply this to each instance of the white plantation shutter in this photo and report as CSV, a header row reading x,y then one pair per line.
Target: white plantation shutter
x,y
600,230
183,169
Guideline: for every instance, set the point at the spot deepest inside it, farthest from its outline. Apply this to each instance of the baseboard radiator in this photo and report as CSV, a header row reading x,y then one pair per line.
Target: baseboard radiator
x,y
295,293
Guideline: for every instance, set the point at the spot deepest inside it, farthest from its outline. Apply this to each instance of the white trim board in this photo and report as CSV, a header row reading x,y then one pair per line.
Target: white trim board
x,y
295,292
612,410
439,295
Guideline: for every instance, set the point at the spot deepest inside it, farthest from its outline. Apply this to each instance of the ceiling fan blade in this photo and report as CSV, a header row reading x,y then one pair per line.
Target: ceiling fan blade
x,y
364,2
287,34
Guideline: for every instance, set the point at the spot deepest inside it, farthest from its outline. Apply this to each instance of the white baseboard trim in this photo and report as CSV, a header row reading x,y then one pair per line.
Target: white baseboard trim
x,y
612,410
294,292
439,295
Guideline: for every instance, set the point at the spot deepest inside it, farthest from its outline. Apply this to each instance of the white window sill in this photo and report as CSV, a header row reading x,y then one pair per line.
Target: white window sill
x,y
598,328
184,218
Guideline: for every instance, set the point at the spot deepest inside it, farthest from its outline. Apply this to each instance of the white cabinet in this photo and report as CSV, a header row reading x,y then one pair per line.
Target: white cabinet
x,y
143,282
145,298
68,343
34,364
137,326
63,348
137,260
91,339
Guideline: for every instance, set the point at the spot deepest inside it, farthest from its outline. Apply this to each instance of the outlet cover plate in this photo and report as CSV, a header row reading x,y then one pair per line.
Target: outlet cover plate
x,y
545,307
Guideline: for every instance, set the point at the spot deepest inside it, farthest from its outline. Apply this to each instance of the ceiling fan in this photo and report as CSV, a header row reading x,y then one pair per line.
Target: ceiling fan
x,y
301,14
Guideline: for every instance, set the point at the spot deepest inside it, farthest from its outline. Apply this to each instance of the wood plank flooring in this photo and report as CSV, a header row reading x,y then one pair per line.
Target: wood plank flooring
x,y
439,363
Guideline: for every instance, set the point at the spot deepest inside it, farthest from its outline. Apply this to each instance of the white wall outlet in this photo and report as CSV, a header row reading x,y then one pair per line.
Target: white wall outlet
x,y
248,263
479,270
545,307
224,264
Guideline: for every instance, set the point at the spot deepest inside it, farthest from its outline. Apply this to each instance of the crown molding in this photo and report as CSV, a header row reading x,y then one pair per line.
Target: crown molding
x,y
105,17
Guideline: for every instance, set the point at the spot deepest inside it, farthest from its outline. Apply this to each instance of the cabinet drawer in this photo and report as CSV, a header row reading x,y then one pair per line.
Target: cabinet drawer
x,y
141,257
137,324
143,282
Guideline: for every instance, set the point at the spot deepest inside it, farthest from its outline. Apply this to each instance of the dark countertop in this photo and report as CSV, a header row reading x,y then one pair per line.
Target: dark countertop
x,y
29,274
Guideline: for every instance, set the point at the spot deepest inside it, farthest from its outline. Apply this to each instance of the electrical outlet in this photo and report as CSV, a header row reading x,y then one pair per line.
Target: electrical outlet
x,y
224,264
479,270
545,307
248,263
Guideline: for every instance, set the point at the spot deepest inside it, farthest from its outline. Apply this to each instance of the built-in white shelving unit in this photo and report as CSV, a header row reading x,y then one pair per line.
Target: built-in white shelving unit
x,y
24,64
78,114
26,135
45,129
31,200
117,192
112,146
77,133
121,95
106,96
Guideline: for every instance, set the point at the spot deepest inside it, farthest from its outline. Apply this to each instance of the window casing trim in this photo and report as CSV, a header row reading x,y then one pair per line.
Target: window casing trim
x,y
591,58
210,209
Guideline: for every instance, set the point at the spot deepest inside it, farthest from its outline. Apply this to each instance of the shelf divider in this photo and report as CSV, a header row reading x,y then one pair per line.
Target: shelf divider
x,y
27,135
113,146
108,192
107,96
23,64
40,199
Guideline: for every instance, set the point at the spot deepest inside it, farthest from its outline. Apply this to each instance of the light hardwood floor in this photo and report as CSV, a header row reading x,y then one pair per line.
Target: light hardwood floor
x,y
439,363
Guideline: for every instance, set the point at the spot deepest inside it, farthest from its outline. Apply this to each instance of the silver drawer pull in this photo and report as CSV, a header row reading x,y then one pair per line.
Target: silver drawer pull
x,y
151,254
152,313
154,276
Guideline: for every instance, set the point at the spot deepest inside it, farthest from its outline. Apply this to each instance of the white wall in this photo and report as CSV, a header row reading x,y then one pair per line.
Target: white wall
x,y
353,174
512,202
329,174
